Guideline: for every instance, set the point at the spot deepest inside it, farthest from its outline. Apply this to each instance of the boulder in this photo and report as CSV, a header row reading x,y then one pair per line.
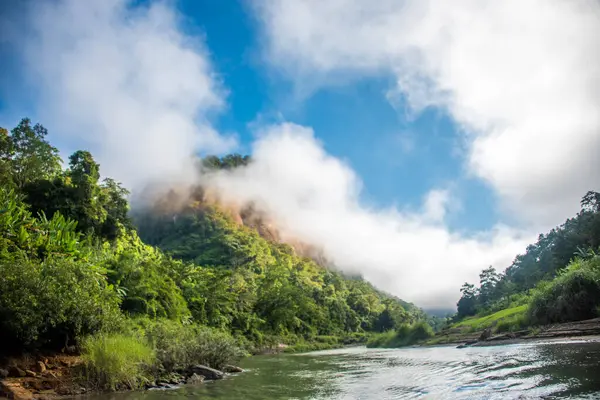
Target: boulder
x,y
40,367
3,373
195,379
232,369
207,372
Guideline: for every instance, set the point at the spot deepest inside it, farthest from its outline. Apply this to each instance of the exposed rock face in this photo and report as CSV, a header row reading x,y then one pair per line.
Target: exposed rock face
x,y
207,372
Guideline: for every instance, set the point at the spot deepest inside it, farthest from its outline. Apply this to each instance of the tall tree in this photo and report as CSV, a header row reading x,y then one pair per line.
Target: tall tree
x,y
29,154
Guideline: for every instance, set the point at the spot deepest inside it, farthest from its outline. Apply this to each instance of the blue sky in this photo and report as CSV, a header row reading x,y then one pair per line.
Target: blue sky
x,y
399,159
462,134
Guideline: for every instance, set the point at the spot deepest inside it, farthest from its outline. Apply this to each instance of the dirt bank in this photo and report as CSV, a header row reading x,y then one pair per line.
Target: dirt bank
x,y
41,377
590,327
46,378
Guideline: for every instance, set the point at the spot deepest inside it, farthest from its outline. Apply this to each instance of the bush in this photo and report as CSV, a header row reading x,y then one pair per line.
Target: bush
x,y
572,296
178,346
113,362
50,303
216,348
404,335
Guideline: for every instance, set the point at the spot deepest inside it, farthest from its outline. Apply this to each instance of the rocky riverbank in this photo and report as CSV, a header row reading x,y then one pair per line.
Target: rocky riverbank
x,y
59,376
487,337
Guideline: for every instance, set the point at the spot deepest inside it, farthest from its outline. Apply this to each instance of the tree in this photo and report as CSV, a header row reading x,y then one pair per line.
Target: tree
x,y
488,279
591,201
467,305
27,154
114,201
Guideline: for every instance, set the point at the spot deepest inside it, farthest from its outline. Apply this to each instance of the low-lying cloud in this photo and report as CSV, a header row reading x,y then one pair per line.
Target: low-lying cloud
x,y
127,83
315,197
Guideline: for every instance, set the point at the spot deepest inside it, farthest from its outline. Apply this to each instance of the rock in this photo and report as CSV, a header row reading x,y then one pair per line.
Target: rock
x,y
50,374
3,373
232,369
207,372
13,390
70,349
486,334
16,372
30,373
40,367
195,379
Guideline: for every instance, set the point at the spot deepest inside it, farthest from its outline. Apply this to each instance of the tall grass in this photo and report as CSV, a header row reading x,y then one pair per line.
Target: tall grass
x,y
404,335
118,361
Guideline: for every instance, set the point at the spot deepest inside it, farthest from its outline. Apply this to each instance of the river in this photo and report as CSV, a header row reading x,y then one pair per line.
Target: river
x,y
564,369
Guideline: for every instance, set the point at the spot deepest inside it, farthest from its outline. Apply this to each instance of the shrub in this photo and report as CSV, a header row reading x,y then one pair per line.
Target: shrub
x,y
572,296
216,348
48,304
113,362
179,346
404,335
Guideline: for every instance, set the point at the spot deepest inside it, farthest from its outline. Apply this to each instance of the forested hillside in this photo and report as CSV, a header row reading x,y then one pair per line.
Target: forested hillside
x,y
557,279
74,271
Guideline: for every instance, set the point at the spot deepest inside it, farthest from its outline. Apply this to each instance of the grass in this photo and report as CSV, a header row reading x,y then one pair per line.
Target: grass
x,y
479,323
118,361
151,349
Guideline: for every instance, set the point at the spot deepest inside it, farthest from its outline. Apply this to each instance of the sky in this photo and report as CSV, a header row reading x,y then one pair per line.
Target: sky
x,y
415,141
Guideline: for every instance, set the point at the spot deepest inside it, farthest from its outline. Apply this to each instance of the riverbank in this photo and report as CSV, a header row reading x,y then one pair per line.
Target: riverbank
x,y
60,376
485,337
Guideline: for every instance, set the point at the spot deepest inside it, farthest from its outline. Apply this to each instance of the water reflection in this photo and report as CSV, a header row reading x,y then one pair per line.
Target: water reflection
x,y
526,371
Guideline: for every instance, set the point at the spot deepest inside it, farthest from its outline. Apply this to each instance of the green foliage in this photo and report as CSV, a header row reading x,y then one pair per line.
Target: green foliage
x,y
117,361
480,323
179,346
142,276
26,156
257,288
404,335
512,323
49,303
574,295
542,261
72,266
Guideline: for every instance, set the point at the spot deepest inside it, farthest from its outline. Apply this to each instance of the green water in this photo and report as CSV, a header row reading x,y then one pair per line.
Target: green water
x,y
568,369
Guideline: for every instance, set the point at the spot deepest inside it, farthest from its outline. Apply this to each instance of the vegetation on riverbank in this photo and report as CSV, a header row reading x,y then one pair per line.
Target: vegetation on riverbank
x,y
200,284
404,335
557,280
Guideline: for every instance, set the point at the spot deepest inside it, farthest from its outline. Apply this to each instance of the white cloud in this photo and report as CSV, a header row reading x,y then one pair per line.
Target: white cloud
x,y
124,82
130,86
314,197
522,78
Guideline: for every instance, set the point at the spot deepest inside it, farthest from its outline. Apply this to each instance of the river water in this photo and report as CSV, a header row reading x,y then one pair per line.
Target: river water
x,y
566,369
